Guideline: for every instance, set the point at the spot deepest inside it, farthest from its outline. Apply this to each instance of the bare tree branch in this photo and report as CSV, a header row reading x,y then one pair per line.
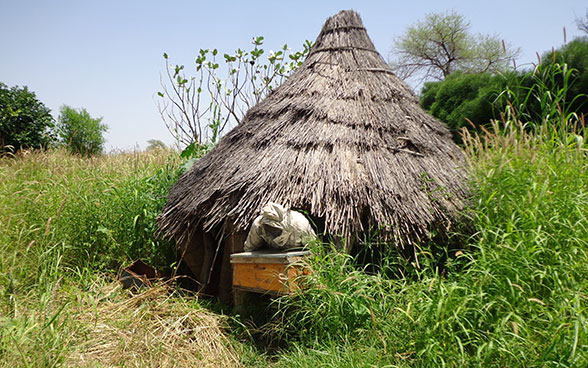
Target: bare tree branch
x,y
582,23
199,109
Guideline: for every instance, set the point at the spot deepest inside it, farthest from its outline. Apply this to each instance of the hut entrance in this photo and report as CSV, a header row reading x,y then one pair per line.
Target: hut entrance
x,y
207,257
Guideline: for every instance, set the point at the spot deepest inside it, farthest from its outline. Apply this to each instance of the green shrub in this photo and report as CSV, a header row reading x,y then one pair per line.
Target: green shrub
x,y
472,101
464,100
79,132
25,122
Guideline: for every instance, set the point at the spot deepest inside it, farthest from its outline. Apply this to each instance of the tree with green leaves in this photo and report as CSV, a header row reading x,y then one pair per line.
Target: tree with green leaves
x,y
80,132
198,108
25,122
155,144
442,44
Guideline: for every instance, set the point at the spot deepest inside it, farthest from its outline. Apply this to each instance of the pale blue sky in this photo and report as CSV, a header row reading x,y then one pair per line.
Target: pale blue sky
x,y
106,56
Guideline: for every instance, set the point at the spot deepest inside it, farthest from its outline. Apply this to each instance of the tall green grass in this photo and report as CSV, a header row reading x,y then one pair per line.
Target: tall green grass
x,y
97,213
65,223
520,300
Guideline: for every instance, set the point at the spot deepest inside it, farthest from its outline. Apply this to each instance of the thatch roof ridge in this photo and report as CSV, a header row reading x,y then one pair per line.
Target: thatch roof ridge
x,y
343,138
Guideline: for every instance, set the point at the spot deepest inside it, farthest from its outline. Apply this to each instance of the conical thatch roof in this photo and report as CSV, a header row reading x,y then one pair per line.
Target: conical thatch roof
x,y
342,138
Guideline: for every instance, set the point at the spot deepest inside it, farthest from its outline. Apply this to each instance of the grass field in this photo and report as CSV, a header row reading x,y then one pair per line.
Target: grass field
x,y
67,224
516,295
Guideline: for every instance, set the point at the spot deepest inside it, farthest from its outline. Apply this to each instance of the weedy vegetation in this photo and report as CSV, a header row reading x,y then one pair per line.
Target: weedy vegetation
x,y
67,224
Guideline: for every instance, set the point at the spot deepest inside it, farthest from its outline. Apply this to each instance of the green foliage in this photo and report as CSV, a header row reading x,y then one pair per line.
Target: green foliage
x,y
99,213
199,108
442,44
68,222
464,100
79,132
192,153
25,122
552,90
575,55
542,96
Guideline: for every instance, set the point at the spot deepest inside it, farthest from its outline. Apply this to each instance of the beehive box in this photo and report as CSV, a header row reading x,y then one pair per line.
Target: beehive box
x,y
268,271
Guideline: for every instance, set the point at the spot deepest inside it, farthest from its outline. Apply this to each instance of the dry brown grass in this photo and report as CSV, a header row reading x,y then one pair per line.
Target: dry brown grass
x,y
153,328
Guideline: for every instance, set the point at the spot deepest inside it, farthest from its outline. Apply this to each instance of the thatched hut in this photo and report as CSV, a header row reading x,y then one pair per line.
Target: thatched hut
x,y
343,139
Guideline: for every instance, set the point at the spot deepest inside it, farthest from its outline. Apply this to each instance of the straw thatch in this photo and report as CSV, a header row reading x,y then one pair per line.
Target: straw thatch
x,y
342,138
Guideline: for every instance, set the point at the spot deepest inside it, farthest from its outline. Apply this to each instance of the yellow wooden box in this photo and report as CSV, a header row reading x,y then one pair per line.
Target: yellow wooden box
x,y
268,271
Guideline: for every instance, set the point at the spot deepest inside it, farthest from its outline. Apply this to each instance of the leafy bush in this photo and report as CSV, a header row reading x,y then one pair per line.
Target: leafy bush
x,y
472,101
463,98
25,122
79,132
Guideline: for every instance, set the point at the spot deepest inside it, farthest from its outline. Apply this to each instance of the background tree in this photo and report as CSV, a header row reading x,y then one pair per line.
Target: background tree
x,y
582,23
81,133
197,109
153,144
442,44
25,122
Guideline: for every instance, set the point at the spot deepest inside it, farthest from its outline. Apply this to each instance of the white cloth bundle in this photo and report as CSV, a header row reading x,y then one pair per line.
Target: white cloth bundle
x,y
279,228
